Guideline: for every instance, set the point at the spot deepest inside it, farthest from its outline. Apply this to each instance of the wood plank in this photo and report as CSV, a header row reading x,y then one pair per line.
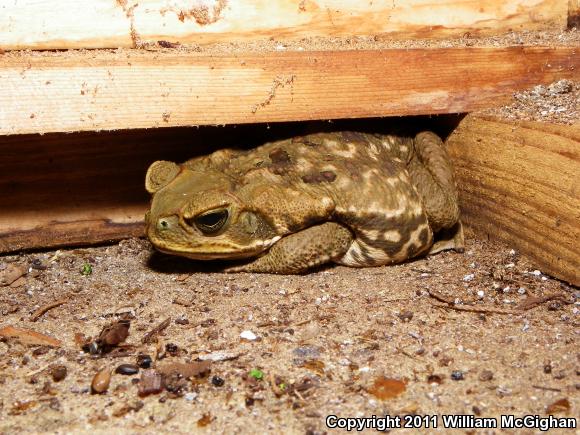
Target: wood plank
x,y
36,24
98,90
519,183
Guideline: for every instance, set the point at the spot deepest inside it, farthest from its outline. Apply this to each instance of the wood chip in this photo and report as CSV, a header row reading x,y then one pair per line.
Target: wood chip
x,y
151,335
151,382
27,336
40,312
10,274
186,370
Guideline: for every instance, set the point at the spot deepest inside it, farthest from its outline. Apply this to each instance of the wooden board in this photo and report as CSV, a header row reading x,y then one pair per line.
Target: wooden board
x,y
520,183
64,92
63,24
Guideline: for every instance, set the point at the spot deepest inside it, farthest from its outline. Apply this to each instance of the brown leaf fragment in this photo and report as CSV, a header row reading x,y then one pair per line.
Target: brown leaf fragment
x,y
314,365
27,336
386,388
114,334
204,420
186,370
10,274
151,382
562,405
20,407
151,335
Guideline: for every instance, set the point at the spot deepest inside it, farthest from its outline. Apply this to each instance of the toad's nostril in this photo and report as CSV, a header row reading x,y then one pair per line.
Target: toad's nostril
x,y
163,224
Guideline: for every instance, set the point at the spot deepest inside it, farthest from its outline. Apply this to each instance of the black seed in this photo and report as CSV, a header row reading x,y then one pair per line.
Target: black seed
x,y
217,381
127,369
457,375
144,361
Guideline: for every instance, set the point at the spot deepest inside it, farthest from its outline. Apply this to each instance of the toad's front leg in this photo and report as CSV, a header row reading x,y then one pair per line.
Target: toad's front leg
x,y
301,251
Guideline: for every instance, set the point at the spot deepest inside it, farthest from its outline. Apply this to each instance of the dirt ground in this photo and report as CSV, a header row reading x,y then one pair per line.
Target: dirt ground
x,y
481,333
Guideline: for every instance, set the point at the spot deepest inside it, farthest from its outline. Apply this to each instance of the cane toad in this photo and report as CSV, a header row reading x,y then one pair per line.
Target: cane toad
x,y
355,199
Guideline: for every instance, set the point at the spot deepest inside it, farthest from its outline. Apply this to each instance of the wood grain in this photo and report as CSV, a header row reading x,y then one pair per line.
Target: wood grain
x,y
519,183
65,24
97,90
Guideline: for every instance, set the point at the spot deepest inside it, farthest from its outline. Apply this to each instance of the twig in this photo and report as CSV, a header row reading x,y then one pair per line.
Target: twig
x,y
539,387
40,312
533,302
148,338
450,304
472,309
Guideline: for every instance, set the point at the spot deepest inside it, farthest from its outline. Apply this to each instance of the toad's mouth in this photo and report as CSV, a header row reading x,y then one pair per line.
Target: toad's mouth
x,y
220,251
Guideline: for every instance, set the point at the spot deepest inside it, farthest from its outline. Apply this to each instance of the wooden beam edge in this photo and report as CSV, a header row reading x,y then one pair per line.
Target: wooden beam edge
x,y
107,91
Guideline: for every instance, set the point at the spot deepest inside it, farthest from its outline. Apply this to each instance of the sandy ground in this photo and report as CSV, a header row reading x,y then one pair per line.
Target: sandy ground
x,y
481,333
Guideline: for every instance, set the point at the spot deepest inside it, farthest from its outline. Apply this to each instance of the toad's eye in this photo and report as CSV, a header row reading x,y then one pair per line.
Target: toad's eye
x,y
211,222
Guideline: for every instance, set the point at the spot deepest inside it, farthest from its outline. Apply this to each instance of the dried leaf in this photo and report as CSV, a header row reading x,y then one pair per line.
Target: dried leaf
x,y
385,388
204,420
27,336
562,405
115,333
314,365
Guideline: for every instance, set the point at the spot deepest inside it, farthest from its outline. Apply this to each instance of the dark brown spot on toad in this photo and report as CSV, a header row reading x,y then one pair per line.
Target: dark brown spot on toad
x,y
279,157
319,177
353,136
424,236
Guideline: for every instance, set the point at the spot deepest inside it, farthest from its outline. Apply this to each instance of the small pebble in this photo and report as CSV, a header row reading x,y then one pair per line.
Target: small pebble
x,y
536,273
190,397
144,361
486,375
406,316
457,375
468,277
480,294
217,381
248,335
101,381
58,373
522,291
127,369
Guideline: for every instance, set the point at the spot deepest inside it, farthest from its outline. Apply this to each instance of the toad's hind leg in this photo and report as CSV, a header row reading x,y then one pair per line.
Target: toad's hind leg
x,y
301,251
432,173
